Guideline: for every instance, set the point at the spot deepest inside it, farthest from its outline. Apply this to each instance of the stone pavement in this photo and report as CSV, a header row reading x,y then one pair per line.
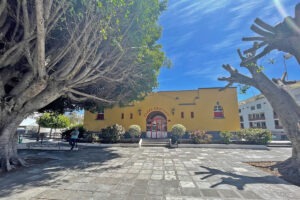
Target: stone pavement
x,y
147,173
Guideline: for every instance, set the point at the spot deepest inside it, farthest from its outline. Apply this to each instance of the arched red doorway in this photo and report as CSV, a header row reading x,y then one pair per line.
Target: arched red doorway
x,y
156,125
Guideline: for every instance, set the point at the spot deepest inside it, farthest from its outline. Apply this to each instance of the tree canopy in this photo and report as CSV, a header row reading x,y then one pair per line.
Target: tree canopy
x,y
52,120
102,51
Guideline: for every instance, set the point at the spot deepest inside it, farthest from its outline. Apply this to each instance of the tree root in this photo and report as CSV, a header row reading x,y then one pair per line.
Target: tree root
x,y
8,164
289,170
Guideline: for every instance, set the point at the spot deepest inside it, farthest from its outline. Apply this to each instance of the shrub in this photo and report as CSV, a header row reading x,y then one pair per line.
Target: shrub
x,y
186,135
200,137
112,134
226,136
144,135
134,131
67,133
177,132
127,135
92,137
255,135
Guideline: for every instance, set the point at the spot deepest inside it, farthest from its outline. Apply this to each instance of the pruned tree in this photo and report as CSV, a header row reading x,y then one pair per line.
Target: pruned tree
x,y
277,91
285,36
98,50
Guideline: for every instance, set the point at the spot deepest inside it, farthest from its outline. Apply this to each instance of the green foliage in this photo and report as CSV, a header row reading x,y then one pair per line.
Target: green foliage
x,y
127,135
67,133
112,134
53,120
177,132
260,69
243,88
92,137
200,137
75,119
129,27
226,136
255,135
80,127
134,131
186,135
60,105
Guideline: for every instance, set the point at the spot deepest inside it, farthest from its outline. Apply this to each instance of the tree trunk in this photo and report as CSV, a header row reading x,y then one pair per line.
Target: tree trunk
x,y
50,135
288,112
10,118
8,143
296,153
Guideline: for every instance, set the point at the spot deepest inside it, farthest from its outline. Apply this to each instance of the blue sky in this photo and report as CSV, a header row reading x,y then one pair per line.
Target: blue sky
x,y
199,36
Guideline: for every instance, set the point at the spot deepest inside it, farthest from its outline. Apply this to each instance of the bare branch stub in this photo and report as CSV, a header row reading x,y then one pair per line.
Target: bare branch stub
x,y
285,36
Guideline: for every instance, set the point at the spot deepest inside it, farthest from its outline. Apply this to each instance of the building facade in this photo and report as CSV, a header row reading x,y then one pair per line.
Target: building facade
x,y
206,109
256,112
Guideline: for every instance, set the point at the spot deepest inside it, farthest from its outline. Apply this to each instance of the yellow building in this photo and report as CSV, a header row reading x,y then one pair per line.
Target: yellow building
x,y
206,109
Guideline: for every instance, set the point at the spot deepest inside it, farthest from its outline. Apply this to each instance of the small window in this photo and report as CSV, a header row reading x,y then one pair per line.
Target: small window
x,y
100,116
122,116
192,114
131,115
182,114
250,116
239,110
258,106
252,107
258,125
218,111
251,125
242,125
241,118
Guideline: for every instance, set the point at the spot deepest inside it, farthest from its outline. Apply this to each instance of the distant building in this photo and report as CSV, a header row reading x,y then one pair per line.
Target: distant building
x,y
30,121
256,112
206,109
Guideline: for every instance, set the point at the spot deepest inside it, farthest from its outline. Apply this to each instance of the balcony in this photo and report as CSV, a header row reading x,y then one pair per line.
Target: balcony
x,y
256,118
278,127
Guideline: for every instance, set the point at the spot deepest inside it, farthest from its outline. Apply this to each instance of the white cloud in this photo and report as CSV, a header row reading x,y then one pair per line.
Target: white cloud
x,y
191,11
210,70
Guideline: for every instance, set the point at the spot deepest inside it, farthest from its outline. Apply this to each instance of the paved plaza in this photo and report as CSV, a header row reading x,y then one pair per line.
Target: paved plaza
x,y
147,173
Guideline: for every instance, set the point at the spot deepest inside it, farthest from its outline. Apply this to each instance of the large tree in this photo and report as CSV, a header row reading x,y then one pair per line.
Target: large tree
x,y
286,37
104,50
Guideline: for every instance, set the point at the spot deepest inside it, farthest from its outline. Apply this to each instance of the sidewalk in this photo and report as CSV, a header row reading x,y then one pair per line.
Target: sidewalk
x,y
148,173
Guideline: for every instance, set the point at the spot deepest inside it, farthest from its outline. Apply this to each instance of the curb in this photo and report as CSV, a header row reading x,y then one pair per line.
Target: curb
x,y
224,146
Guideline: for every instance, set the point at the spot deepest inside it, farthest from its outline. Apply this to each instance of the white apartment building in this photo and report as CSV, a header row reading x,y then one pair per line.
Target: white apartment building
x,y
256,112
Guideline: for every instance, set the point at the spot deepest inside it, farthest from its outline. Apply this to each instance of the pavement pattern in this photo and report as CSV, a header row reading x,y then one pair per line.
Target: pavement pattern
x,y
155,173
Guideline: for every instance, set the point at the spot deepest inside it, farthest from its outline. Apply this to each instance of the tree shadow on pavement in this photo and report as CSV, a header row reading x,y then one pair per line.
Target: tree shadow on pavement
x,y
239,181
47,168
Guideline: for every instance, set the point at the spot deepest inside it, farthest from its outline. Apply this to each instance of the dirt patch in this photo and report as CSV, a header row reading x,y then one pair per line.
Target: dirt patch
x,y
279,169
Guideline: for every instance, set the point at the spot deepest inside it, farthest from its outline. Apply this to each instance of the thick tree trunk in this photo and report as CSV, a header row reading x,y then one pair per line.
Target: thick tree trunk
x,y
8,143
10,118
296,154
288,112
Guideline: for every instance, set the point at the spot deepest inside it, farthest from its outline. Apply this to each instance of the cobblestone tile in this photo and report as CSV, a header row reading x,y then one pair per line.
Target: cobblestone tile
x,y
249,195
210,193
187,184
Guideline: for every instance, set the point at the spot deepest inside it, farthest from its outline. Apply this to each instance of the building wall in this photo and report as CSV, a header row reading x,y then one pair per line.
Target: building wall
x,y
246,109
172,103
